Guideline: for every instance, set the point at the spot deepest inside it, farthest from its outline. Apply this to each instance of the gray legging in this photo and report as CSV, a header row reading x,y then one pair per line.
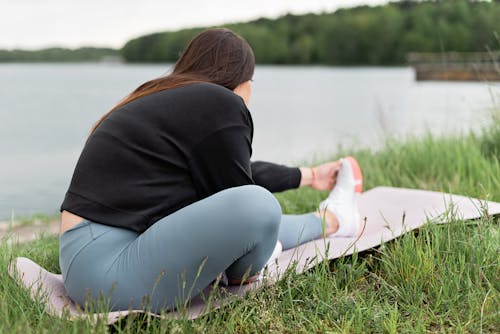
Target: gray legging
x,y
234,231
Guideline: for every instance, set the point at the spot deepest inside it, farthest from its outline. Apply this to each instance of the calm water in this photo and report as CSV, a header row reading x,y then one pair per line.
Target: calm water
x,y
300,114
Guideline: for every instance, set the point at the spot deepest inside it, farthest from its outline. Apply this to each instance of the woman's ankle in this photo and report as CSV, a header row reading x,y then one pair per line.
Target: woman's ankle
x,y
330,220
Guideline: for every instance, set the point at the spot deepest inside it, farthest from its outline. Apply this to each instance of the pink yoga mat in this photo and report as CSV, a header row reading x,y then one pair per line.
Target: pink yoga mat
x,y
388,213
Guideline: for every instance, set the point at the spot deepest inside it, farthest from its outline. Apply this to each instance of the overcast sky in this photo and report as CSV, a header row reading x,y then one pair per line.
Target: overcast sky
x,y
34,24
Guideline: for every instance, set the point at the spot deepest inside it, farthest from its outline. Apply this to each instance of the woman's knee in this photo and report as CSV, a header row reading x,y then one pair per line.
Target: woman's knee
x,y
257,205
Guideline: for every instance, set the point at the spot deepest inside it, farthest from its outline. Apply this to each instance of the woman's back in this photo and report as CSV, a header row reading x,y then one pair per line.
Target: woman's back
x,y
149,157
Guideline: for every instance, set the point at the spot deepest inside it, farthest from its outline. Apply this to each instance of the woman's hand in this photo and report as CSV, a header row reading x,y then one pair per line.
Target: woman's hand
x,y
322,177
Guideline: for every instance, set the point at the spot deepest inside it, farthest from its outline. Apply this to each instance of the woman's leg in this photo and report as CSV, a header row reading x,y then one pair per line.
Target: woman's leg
x,y
298,229
234,230
339,211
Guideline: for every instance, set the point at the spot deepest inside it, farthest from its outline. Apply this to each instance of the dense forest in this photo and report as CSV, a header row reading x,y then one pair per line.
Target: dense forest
x,y
381,35
87,54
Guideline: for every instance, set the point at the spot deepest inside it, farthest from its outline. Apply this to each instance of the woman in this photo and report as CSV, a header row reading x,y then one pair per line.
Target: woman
x,y
164,196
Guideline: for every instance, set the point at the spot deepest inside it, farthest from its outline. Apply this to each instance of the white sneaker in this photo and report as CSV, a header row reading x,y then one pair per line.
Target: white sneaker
x,y
342,201
278,248
257,278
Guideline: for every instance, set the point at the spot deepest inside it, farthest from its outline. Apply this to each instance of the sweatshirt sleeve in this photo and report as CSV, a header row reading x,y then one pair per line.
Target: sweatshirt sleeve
x,y
222,160
275,177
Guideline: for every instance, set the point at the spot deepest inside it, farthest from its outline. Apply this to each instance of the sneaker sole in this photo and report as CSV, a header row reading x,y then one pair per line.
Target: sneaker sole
x,y
356,171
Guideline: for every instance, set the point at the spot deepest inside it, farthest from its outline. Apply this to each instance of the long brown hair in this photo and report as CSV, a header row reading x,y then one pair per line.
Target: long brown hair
x,y
215,55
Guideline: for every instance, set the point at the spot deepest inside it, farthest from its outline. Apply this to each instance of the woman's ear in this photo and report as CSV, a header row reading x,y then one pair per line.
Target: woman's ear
x,y
244,90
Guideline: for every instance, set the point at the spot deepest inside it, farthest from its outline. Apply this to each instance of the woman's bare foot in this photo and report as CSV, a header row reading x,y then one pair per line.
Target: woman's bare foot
x,y
240,281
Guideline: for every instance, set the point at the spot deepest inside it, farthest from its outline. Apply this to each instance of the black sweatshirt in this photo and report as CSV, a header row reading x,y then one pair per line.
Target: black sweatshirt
x,y
164,151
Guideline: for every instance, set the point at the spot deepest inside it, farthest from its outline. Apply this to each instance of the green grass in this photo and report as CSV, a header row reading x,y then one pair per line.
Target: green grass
x,y
441,278
34,219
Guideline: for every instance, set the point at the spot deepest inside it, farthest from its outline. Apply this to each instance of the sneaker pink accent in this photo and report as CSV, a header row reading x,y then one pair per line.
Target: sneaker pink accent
x,y
358,176
358,188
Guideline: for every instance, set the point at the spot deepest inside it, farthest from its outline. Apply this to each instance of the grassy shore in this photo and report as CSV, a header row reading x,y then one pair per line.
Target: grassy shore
x,y
438,279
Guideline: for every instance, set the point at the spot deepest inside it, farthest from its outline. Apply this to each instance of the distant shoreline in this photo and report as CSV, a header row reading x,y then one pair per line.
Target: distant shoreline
x,y
20,232
60,54
358,36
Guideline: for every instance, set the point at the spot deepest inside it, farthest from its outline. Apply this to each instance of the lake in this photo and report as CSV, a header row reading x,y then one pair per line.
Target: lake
x,y
300,114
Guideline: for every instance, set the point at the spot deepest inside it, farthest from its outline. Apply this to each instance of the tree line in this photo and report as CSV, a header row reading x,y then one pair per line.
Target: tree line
x,y
381,35
86,54
365,35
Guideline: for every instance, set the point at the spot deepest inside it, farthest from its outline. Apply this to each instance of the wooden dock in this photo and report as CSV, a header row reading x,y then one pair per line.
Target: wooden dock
x,y
456,66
